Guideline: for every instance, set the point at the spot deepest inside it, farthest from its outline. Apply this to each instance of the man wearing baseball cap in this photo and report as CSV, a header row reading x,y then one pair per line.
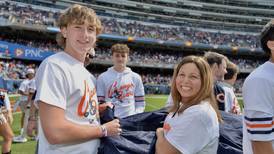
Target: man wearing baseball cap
x,y
27,88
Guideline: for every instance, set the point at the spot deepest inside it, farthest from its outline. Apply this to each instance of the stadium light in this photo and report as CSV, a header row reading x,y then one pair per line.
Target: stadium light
x,y
188,43
234,50
130,39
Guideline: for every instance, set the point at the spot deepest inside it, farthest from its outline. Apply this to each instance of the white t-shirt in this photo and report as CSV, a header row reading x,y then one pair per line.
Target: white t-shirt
x,y
231,102
195,131
258,96
32,86
125,90
24,88
62,81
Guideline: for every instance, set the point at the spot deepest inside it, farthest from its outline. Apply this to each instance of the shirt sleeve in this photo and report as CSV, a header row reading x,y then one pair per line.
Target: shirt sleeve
x,y
32,86
100,87
187,133
22,86
7,101
139,95
52,85
258,109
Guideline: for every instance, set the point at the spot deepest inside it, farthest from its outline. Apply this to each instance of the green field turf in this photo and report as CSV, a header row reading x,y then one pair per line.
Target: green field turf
x,y
154,102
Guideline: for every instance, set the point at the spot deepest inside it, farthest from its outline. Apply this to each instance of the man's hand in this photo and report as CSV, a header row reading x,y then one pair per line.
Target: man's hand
x,y
113,128
102,107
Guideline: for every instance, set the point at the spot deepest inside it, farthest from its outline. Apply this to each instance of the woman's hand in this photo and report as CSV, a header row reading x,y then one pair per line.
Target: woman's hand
x,y
160,132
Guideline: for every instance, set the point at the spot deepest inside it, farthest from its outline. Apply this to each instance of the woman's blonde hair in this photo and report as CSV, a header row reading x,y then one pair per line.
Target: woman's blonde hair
x,y
205,92
77,14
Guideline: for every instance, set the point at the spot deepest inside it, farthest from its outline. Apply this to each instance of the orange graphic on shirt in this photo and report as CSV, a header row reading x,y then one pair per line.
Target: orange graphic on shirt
x,y
86,102
166,127
120,92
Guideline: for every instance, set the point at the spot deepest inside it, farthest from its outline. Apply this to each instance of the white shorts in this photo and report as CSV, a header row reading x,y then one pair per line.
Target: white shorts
x,y
23,105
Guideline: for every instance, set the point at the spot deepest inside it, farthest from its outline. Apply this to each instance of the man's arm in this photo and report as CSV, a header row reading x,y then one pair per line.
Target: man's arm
x,y
59,130
139,96
23,93
100,89
262,147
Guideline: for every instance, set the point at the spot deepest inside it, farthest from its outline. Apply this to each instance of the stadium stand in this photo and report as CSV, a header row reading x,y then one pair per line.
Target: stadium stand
x,y
159,32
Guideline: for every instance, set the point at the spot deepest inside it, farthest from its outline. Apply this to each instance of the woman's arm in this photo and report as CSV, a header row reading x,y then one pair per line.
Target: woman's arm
x,y
162,145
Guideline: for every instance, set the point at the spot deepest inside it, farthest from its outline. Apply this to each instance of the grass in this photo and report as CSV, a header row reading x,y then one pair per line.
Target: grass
x,y
154,102
20,148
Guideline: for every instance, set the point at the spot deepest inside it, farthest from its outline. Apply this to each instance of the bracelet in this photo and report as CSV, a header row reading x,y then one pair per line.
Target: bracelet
x,y
104,131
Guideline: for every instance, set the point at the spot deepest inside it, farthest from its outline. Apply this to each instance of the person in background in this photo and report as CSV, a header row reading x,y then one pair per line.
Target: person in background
x,y
192,124
231,101
25,91
218,64
120,86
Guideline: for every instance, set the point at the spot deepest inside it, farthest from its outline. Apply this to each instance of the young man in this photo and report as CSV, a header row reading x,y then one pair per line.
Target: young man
x,y
121,87
258,96
218,64
26,90
231,102
66,96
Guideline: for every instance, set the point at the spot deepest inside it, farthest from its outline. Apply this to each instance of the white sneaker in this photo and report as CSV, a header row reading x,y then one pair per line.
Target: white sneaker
x,y
19,139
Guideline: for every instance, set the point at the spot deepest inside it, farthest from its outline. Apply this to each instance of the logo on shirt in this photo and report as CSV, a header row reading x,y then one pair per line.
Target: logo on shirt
x,y
120,92
87,106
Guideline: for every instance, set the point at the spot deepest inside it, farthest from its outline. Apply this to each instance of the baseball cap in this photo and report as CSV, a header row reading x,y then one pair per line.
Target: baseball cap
x,y
30,71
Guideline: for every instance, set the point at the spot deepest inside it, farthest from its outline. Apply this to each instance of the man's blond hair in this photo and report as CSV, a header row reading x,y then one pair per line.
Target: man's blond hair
x,y
120,48
77,14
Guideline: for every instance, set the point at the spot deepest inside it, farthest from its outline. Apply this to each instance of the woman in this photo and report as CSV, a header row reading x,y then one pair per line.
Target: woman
x,y
192,124
5,121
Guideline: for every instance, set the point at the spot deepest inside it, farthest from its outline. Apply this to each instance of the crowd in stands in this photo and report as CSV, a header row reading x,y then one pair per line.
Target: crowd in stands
x,y
14,70
49,45
144,56
29,15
